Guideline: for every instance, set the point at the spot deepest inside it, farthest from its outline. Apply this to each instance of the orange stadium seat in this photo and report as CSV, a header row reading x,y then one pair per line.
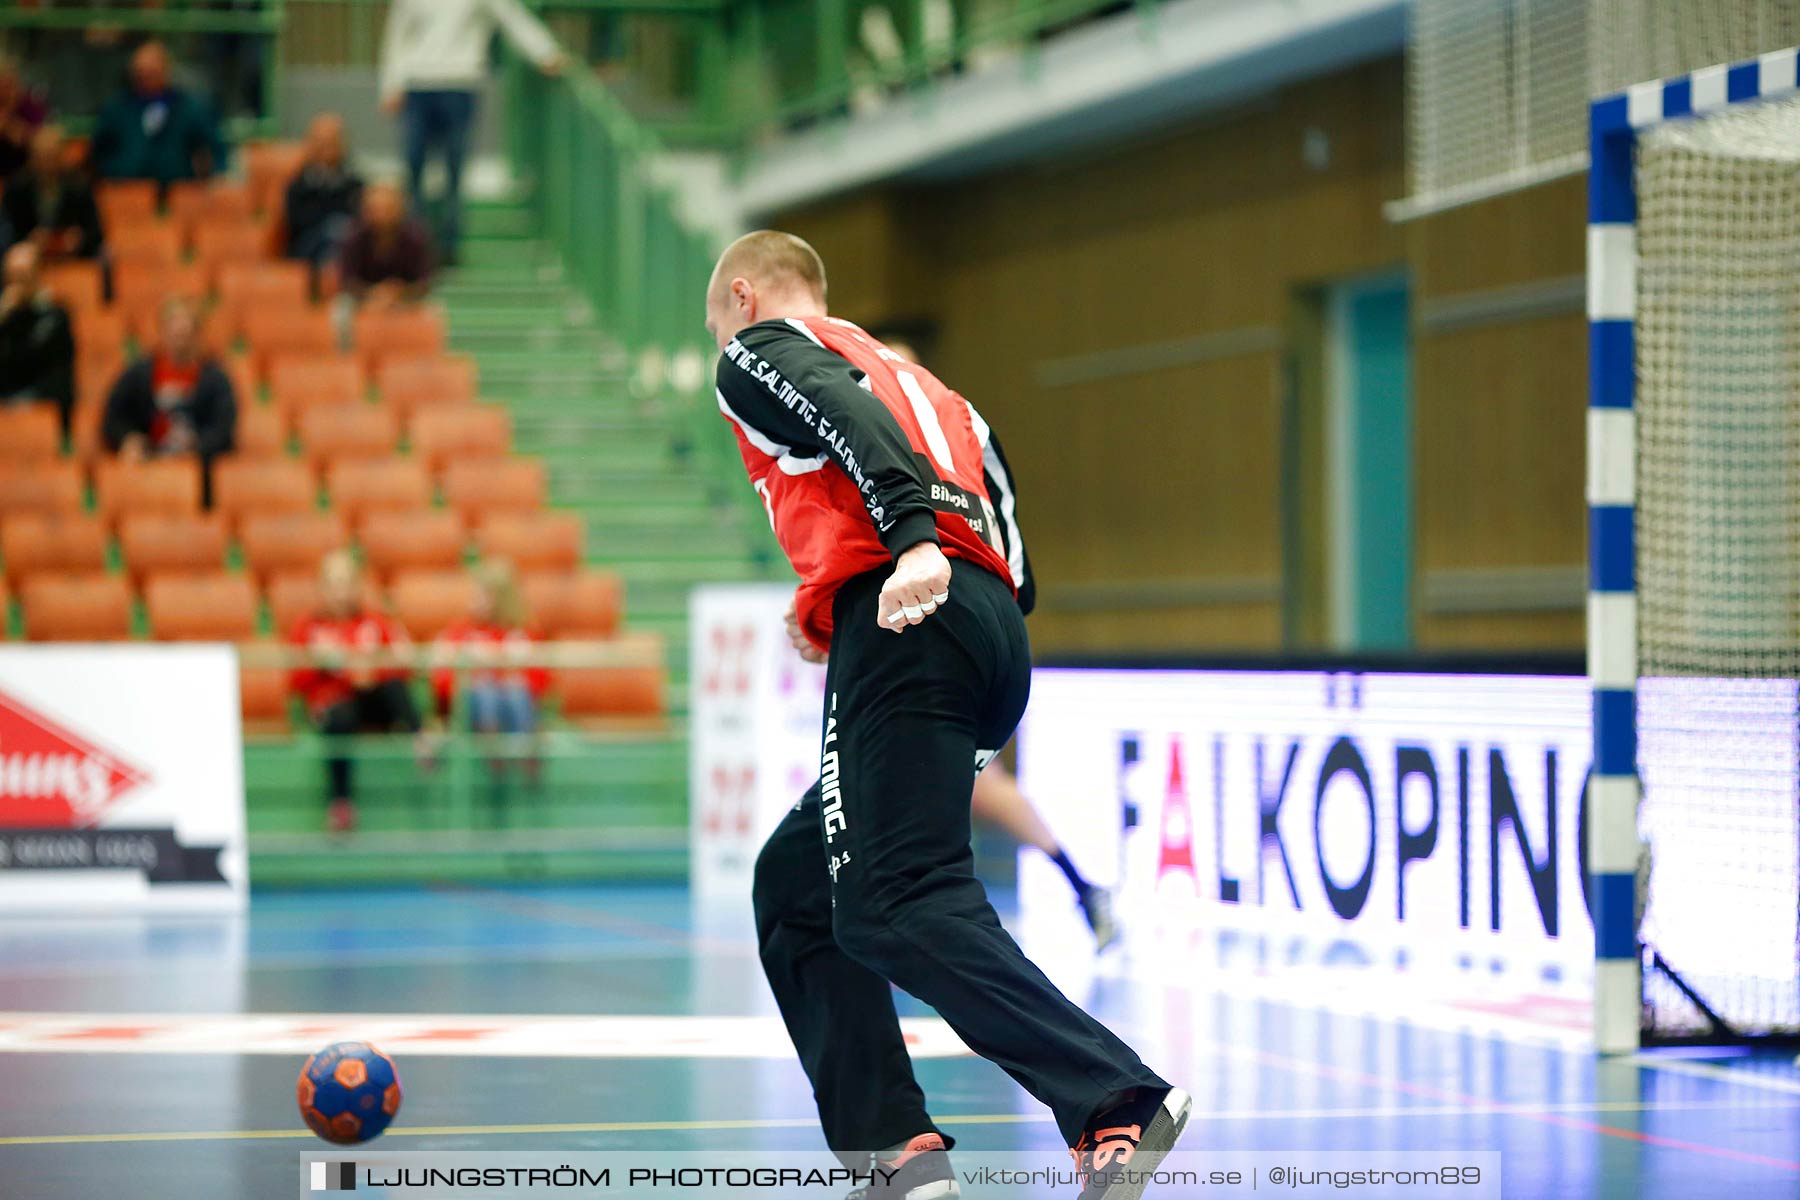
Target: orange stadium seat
x,y
67,543
217,337
603,694
359,487
347,431
84,428
476,487
578,604
395,542
268,166
123,200
242,373
214,607
545,541
409,384
53,486
77,283
298,382
246,287
140,240
96,373
380,334
294,596
145,282
273,333
285,543
260,431
30,431
245,486
215,245
194,204
164,485
140,287
160,544
99,334
427,602
263,695
460,432
77,608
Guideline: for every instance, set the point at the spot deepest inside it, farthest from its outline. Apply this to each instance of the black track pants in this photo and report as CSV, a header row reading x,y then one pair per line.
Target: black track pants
x,y
891,895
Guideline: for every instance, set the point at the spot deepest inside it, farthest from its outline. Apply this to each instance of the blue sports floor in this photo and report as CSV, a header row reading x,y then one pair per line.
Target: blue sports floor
x,y
454,978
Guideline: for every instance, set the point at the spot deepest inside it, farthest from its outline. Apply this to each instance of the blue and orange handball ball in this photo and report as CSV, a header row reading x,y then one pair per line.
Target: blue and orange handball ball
x,y
348,1092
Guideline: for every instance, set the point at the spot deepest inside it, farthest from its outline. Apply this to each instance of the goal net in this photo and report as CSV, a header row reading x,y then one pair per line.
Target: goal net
x,y
1717,345
1497,90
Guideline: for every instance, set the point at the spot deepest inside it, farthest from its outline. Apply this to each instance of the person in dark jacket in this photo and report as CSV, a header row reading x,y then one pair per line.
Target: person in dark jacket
x,y
174,400
387,258
155,130
37,346
324,197
22,113
51,204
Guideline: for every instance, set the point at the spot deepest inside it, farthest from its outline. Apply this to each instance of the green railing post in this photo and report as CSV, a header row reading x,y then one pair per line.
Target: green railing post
x,y
832,41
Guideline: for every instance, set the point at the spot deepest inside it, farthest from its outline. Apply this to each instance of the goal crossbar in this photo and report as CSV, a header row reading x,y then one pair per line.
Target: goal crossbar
x,y
1615,123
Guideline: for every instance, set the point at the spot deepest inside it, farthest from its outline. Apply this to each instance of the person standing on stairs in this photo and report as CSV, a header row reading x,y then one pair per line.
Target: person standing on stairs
x,y
433,62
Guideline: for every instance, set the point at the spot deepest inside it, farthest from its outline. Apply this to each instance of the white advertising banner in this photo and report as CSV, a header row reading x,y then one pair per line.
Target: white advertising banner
x,y
756,723
1434,813
121,779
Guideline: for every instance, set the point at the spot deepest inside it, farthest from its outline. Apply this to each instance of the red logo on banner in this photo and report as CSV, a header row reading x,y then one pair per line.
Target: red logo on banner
x,y
733,800
733,649
51,778
1177,821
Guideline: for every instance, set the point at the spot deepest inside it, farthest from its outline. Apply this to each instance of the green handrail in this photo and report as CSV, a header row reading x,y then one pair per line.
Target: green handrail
x,y
755,64
585,168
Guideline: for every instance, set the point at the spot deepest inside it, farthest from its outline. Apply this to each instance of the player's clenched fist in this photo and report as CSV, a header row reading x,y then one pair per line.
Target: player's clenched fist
x,y
919,585
798,640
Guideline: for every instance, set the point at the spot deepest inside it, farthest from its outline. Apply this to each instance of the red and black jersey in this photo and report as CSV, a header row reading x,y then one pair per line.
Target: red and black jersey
x,y
321,687
492,646
859,455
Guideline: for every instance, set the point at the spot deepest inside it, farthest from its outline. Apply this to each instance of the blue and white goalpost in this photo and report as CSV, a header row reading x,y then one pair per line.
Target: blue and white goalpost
x,y
1723,603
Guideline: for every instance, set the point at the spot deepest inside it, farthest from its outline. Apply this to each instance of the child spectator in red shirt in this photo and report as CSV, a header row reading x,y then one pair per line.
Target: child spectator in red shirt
x,y
500,694
344,692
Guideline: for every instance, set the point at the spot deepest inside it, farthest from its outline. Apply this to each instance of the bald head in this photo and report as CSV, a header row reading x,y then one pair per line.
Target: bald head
x,y
760,277
325,140
150,69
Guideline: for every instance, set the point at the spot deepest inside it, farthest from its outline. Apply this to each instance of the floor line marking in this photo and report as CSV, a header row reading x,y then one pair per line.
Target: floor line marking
x,y
1255,1114
1700,1070
1328,1071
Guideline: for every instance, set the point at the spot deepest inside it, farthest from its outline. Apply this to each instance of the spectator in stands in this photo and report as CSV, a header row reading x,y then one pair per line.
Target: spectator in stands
x,y
433,58
497,698
387,258
323,199
345,692
155,130
51,204
22,113
174,400
37,345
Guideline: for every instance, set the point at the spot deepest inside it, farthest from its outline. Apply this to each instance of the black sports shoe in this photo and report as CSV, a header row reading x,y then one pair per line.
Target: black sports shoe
x,y
1137,1135
921,1171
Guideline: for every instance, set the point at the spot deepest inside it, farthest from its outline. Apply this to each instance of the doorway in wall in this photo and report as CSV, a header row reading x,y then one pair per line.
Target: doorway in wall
x,y
1348,520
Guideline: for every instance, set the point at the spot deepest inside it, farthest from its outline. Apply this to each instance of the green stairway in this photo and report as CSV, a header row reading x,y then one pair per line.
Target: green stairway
x,y
615,455
612,806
